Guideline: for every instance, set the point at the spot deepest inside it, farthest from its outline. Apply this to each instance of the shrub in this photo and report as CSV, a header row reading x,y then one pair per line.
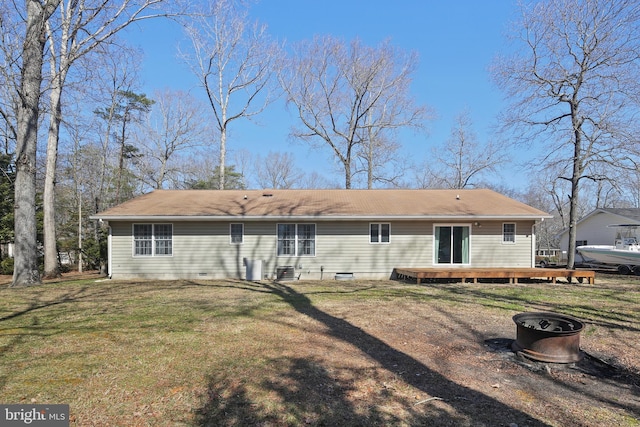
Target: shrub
x,y
6,266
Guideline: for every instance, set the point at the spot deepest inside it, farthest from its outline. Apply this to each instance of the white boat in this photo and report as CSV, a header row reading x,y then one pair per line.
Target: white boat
x,y
625,253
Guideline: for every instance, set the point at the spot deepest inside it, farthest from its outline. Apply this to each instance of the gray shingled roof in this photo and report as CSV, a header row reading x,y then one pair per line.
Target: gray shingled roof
x,y
631,213
321,204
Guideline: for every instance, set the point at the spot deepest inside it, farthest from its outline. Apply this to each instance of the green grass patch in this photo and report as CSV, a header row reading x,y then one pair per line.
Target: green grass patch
x,y
239,353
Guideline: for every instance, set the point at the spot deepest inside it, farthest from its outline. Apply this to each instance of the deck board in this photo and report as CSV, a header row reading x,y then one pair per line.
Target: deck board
x,y
513,274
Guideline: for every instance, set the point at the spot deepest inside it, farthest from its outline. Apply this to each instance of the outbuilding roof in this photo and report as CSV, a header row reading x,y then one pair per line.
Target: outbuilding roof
x,y
320,205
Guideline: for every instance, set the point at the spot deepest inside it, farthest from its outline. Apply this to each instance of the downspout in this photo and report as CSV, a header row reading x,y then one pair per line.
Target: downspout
x,y
109,270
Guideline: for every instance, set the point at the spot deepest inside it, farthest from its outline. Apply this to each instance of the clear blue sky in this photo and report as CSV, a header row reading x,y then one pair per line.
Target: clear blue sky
x,y
455,40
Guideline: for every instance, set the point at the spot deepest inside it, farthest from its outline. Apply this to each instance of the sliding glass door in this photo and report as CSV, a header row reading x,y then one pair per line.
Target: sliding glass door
x,y
451,244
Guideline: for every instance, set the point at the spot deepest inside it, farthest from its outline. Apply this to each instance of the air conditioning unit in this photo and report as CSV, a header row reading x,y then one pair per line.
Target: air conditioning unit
x,y
254,269
286,272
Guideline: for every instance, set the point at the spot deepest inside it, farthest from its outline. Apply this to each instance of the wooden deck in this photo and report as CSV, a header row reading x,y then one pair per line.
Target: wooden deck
x,y
513,274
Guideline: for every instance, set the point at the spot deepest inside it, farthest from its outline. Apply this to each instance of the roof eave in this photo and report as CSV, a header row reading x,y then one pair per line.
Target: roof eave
x,y
530,217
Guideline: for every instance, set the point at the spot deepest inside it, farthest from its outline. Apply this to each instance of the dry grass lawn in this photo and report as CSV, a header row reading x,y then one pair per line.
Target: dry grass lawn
x,y
348,353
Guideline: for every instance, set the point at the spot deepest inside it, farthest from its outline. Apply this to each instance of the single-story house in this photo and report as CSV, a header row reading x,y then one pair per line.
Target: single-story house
x,y
315,234
595,227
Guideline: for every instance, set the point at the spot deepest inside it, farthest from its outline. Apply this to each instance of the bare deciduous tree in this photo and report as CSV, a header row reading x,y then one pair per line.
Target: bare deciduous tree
x,y
78,28
314,180
233,60
351,97
462,158
574,86
538,195
25,270
631,189
10,35
377,156
175,125
119,74
277,170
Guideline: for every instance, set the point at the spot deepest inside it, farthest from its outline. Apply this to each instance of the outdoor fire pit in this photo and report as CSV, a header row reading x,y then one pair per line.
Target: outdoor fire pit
x,y
548,337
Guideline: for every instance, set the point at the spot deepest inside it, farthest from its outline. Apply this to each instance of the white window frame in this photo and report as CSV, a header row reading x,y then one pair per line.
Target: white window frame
x,y
154,239
142,242
380,234
511,234
451,263
232,235
296,239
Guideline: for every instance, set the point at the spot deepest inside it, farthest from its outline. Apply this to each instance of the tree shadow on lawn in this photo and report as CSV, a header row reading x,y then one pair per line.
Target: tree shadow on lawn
x,y
308,402
306,393
611,318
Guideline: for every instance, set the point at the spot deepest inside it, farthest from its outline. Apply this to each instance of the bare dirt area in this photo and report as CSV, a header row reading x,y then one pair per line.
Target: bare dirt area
x,y
464,362
446,359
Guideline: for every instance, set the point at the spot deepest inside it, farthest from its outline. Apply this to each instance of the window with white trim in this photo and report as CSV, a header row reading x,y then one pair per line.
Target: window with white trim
x,y
508,232
297,239
152,239
236,233
379,233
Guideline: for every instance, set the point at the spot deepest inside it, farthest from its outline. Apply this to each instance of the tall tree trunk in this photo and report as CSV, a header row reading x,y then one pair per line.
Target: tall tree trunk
x,y
223,155
371,137
573,212
25,271
79,232
51,266
347,169
576,173
99,201
123,135
347,177
575,181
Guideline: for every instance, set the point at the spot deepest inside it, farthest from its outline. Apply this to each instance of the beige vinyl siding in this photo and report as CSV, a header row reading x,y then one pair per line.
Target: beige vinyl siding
x,y
344,247
203,250
488,250
200,249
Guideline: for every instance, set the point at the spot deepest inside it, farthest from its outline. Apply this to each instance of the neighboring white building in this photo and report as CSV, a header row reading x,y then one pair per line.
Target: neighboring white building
x,y
594,228
315,234
6,250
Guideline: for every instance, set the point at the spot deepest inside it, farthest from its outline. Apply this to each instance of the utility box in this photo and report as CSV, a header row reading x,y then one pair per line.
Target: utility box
x,y
253,269
286,272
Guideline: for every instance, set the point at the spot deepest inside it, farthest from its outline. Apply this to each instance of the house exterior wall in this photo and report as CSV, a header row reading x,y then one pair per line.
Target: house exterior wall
x,y
204,250
488,250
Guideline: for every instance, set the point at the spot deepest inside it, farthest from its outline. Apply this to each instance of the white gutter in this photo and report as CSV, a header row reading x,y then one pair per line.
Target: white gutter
x,y
313,217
